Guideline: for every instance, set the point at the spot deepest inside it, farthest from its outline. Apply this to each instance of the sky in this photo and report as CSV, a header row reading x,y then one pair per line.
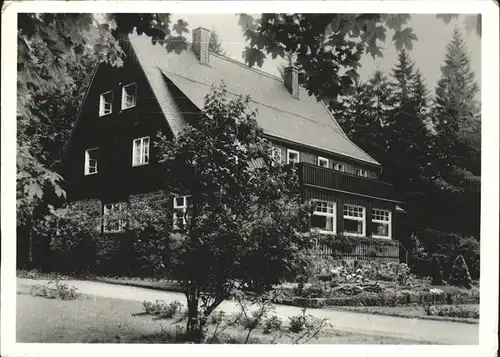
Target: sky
x,y
427,53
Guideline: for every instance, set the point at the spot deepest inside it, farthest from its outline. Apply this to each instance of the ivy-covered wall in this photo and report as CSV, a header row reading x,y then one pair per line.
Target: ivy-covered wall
x,y
79,246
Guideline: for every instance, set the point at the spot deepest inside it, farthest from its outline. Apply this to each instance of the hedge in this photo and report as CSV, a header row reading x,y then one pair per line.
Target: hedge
x,y
384,299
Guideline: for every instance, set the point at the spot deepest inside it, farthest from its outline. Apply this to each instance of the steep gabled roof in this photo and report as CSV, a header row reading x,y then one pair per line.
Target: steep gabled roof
x,y
305,121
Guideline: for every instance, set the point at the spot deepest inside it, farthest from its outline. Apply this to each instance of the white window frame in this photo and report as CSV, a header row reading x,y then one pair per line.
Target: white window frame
x,y
388,222
323,159
124,96
362,172
354,218
290,151
87,166
121,224
102,104
339,167
332,214
276,155
145,151
184,208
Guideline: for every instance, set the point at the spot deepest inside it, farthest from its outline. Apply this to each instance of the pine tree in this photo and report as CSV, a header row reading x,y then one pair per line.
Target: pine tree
x,y
456,111
407,131
364,115
460,275
457,140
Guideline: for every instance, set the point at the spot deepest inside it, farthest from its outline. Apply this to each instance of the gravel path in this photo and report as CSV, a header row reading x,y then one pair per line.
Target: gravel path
x,y
442,332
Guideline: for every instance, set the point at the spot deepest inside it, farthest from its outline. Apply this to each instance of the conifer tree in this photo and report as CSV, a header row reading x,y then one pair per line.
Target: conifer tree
x,y
457,141
456,116
364,115
407,132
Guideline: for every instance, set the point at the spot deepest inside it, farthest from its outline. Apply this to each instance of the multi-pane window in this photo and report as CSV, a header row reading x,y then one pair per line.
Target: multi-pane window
x,y
354,220
276,155
106,103
140,151
292,156
129,96
182,215
91,161
361,172
322,161
323,217
381,223
112,217
339,167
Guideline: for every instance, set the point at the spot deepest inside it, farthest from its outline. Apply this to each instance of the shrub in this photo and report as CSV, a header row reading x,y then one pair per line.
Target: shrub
x,y
452,311
55,290
436,270
272,323
447,246
297,323
162,309
460,275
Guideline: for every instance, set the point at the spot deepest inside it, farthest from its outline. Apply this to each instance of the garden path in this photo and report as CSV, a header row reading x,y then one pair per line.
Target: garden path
x,y
442,332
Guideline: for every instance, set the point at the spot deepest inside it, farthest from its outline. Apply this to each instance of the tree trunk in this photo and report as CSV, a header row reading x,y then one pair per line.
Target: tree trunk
x,y
194,329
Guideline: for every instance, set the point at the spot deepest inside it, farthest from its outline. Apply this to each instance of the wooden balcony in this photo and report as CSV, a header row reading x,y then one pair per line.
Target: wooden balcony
x,y
321,177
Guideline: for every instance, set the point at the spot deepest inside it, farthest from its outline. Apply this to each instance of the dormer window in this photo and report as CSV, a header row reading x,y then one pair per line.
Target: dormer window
x,y
361,172
106,103
140,151
339,167
292,156
129,95
323,161
91,161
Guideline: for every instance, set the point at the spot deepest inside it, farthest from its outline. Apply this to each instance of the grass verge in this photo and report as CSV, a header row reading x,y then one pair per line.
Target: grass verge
x,y
106,320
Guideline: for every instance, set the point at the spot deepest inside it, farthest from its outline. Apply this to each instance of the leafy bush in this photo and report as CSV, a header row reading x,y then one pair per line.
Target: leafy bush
x,y
460,275
446,246
55,290
272,323
297,323
71,231
162,309
452,311
306,327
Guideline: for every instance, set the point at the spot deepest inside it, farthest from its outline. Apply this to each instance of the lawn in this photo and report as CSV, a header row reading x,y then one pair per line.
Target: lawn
x,y
105,320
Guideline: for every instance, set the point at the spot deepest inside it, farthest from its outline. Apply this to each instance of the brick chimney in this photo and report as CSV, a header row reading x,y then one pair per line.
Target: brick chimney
x,y
201,37
291,74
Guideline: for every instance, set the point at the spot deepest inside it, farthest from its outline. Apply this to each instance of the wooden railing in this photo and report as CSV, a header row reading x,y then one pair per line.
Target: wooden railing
x,y
364,251
317,176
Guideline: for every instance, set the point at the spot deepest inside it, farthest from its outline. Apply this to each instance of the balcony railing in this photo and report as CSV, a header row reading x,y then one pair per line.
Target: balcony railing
x,y
316,176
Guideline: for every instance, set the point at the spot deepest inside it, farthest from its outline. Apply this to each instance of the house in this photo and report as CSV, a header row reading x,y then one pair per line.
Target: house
x,y
110,155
